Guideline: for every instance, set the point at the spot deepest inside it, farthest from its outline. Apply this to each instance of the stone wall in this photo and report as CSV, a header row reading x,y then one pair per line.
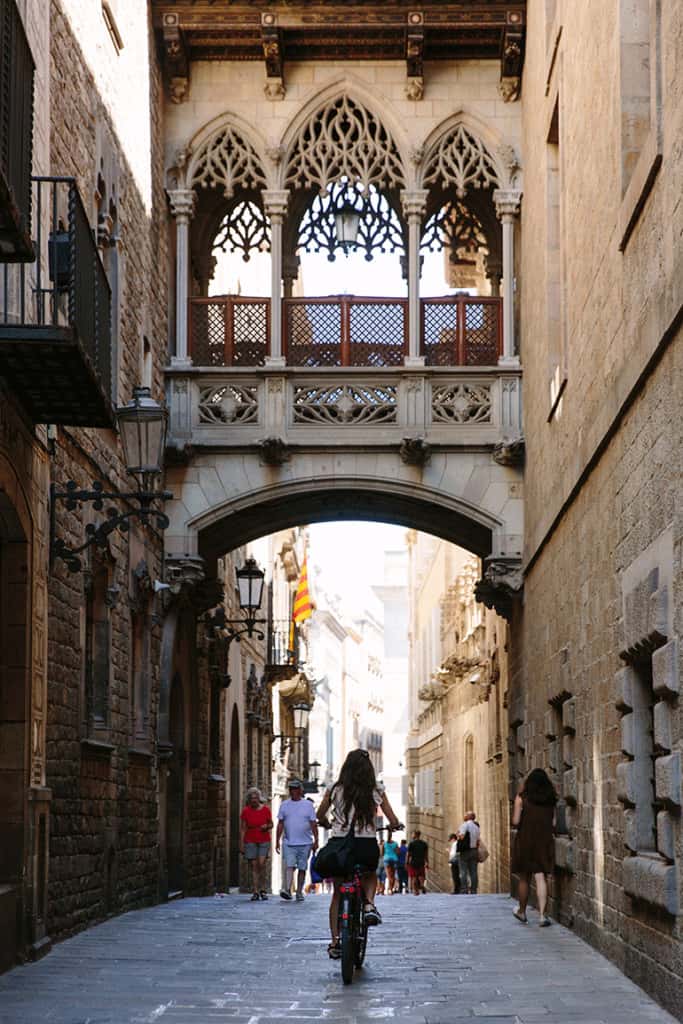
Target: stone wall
x,y
104,854
603,601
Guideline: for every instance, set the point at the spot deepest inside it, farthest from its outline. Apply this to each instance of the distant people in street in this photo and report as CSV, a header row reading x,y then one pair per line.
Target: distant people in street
x,y
352,802
453,862
381,871
418,863
256,825
402,867
533,852
297,822
390,864
468,857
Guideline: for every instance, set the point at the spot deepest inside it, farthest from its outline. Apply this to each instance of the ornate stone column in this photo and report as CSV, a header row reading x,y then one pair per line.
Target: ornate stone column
x,y
414,205
507,207
182,202
275,208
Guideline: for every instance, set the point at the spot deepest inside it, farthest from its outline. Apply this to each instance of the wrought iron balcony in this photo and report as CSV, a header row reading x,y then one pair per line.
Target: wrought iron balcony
x,y
16,136
55,316
283,650
346,330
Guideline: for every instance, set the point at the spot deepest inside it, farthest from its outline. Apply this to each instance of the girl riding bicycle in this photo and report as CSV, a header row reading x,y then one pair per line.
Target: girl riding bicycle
x,y
352,802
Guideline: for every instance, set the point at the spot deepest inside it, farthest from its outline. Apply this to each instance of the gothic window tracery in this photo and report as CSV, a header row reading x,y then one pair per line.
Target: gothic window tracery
x,y
229,163
244,229
461,161
344,140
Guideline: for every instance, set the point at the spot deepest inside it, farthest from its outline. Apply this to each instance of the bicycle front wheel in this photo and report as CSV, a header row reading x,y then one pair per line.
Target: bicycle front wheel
x,y
347,943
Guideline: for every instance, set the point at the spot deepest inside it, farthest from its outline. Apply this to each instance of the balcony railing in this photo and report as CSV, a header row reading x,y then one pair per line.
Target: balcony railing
x,y
55,316
457,330
283,649
16,136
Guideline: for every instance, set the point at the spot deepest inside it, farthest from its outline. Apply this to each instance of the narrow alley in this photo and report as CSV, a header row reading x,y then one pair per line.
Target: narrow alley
x,y
441,960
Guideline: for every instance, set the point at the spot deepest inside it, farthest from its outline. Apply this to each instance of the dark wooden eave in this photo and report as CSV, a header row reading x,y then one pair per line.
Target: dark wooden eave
x,y
343,30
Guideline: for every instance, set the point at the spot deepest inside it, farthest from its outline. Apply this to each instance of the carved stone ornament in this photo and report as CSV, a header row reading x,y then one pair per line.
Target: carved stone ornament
x,y
414,89
184,573
509,88
500,584
460,160
344,140
433,690
415,451
510,451
141,585
228,162
274,451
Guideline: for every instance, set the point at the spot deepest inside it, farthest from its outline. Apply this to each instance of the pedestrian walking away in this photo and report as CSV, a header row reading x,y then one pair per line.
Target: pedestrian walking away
x,y
418,862
256,826
297,823
533,851
453,861
350,806
402,868
390,864
468,856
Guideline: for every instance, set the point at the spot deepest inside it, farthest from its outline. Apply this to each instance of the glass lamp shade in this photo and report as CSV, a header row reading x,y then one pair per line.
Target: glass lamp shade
x,y
301,712
250,586
142,427
346,223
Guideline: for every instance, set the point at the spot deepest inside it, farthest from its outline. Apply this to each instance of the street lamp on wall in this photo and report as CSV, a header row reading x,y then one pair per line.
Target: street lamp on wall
x,y
142,427
250,579
300,713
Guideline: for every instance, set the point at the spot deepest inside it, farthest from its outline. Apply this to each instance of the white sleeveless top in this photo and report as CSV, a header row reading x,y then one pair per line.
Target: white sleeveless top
x,y
340,826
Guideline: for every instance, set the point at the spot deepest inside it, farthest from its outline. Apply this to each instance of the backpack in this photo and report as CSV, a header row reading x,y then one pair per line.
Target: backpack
x,y
463,845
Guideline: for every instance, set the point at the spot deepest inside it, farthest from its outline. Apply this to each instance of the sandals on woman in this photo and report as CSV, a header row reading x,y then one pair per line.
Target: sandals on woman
x,y
372,914
254,897
334,950
519,915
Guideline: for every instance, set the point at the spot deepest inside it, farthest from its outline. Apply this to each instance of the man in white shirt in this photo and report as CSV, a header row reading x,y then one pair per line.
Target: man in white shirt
x,y
297,820
468,841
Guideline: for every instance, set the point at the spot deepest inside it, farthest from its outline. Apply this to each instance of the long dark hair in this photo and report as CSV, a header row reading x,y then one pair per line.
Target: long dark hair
x,y
538,789
358,783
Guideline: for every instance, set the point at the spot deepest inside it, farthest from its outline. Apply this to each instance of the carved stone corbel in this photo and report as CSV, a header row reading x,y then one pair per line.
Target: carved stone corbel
x,y
500,584
271,43
510,451
176,59
415,41
273,451
512,57
141,585
415,451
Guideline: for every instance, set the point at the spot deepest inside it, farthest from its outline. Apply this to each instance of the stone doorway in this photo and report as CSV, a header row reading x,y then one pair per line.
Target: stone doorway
x,y
235,802
14,752
175,791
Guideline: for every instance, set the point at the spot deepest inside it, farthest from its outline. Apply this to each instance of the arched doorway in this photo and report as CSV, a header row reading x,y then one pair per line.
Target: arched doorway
x,y
175,790
14,717
235,801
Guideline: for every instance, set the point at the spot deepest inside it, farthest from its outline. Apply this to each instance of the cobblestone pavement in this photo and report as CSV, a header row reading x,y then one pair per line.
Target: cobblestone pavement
x,y
440,960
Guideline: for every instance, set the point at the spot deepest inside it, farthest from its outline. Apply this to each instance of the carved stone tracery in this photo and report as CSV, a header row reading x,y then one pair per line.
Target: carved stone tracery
x,y
228,162
344,140
460,160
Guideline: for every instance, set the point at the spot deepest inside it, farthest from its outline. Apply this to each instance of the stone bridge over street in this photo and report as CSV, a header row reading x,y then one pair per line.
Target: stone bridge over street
x,y
264,448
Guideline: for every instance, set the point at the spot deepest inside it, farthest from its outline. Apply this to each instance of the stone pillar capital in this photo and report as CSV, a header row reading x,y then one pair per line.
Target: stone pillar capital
x,y
182,202
508,201
275,202
414,202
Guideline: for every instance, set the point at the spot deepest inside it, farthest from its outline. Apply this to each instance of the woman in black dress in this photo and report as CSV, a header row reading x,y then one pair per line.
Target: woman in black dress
x,y
533,816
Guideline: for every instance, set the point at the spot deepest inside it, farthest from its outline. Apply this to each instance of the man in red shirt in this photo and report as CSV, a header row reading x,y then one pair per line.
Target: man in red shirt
x,y
256,823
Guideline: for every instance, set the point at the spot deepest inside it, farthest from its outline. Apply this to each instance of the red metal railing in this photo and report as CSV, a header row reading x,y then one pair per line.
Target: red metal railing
x,y
345,330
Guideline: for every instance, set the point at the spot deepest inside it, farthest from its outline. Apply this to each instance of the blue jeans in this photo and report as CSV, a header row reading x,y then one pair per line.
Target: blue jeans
x,y
469,866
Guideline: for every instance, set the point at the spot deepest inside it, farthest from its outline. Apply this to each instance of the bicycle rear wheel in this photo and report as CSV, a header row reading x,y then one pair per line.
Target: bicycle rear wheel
x,y
347,943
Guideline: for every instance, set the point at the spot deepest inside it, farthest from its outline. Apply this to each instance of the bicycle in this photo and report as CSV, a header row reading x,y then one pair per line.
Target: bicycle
x,y
352,929
353,936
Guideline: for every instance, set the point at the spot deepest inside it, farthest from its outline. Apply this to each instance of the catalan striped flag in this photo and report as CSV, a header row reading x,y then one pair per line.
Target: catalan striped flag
x,y
303,609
